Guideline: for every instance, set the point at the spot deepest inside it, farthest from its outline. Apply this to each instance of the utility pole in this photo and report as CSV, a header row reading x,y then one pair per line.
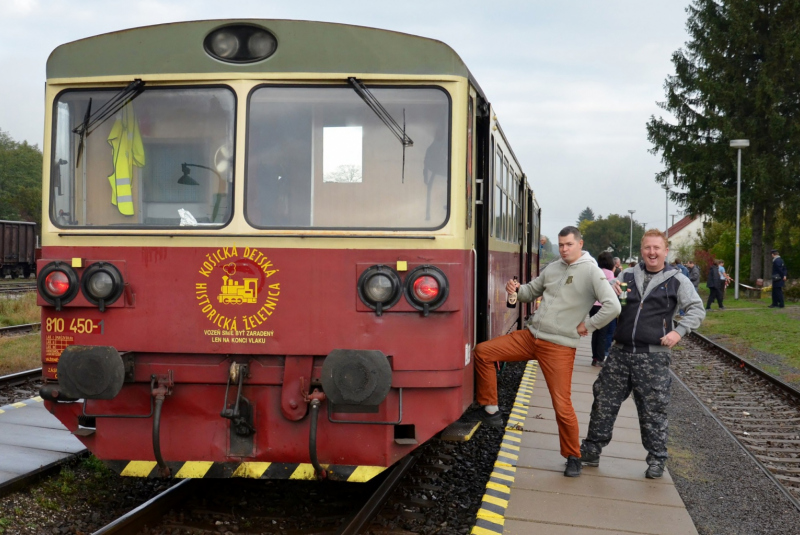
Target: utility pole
x,y
630,247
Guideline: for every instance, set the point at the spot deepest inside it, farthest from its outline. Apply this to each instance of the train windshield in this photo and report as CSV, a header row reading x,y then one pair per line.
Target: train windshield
x,y
321,158
163,160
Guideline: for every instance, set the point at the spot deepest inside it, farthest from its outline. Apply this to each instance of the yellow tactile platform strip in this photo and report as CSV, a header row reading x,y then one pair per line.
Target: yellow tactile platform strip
x,y
20,404
252,470
491,515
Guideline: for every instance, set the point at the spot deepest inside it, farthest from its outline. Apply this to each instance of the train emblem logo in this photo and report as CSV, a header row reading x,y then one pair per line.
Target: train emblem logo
x,y
237,293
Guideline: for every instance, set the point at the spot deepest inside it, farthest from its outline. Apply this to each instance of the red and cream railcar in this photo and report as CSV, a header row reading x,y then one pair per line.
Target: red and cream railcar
x,y
269,246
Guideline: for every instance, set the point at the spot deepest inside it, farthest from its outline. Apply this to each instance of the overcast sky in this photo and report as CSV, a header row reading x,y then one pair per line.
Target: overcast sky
x,y
573,82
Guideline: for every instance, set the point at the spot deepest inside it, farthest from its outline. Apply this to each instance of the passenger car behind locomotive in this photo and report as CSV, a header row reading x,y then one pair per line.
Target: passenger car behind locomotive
x,y
273,246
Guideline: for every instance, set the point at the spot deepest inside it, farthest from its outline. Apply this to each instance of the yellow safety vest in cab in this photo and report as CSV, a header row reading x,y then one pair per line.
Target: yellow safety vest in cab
x,y
127,150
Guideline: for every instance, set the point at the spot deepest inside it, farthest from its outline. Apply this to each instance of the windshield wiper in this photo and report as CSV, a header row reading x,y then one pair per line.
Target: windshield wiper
x,y
92,120
375,105
380,111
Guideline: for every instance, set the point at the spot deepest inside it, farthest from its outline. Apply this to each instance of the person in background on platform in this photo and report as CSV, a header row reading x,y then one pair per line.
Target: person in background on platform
x,y
716,285
617,266
726,279
640,358
568,288
685,272
779,274
632,264
683,268
600,336
694,273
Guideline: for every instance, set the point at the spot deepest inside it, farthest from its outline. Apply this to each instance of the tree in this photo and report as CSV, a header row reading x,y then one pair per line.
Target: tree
x,y
736,78
585,215
344,173
20,180
613,232
583,225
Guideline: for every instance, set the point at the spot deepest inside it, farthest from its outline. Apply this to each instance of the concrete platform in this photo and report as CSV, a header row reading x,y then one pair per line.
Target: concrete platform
x,y
31,440
528,492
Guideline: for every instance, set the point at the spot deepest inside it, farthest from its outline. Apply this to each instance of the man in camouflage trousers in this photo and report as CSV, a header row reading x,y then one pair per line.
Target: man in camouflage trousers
x,y
640,358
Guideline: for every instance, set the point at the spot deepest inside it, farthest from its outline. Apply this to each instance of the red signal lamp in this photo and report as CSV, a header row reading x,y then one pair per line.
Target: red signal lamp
x,y
426,288
57,283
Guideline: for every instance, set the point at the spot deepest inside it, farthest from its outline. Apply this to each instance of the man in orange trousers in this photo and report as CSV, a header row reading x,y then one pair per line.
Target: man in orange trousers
x,y
569,287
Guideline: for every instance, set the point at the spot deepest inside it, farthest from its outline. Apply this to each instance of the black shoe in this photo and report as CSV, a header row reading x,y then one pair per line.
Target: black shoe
x,y
654,471
491,420
590,458
722,308
573,467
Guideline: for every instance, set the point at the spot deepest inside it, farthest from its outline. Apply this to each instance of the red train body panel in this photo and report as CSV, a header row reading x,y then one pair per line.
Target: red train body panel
x,y
172,319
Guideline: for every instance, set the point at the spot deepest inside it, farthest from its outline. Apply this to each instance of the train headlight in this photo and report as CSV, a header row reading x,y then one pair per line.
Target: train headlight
x,y
379,288
224,44
240,43
102,284
57,283
261,44
426,288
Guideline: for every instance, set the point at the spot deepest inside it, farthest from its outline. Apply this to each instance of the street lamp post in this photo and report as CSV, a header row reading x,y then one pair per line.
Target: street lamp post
x,y
738,144
630,247
666,187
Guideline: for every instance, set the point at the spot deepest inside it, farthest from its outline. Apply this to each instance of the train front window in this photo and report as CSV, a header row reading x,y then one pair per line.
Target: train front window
x,y
163,160
319,157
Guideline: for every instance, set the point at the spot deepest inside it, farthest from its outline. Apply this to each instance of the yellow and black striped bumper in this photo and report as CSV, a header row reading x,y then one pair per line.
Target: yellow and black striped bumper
x,y
252,470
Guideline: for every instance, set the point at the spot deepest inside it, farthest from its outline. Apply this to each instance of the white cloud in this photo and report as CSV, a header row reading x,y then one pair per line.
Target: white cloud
x,y
573,82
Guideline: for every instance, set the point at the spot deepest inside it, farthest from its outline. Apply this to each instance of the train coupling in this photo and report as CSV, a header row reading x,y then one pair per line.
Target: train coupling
x,y
240,413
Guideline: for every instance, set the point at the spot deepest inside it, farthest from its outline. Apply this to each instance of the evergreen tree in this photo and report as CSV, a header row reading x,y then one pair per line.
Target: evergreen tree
x,y
613,232
585,215
736,78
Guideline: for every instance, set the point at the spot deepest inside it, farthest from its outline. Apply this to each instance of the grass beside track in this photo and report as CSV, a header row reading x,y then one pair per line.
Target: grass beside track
x,y
19,353
747,326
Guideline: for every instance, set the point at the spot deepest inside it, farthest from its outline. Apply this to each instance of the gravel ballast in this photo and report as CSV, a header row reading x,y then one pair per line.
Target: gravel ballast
x,y
724,490
86,496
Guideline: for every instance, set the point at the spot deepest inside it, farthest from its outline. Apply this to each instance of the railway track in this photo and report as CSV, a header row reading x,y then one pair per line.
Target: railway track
x,y
20,329
759,410
16,288
183,512
20,386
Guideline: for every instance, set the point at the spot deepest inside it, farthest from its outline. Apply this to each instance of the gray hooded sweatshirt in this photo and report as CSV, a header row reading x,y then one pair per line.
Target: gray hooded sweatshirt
x,y
568,292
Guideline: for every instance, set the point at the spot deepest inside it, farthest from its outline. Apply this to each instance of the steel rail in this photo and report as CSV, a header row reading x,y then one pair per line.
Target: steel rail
x,y
15,329
362,518
789,389
17,288
149,512
750,454
20,377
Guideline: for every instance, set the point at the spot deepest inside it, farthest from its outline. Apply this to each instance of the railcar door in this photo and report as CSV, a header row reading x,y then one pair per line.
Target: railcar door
x,y
483,157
